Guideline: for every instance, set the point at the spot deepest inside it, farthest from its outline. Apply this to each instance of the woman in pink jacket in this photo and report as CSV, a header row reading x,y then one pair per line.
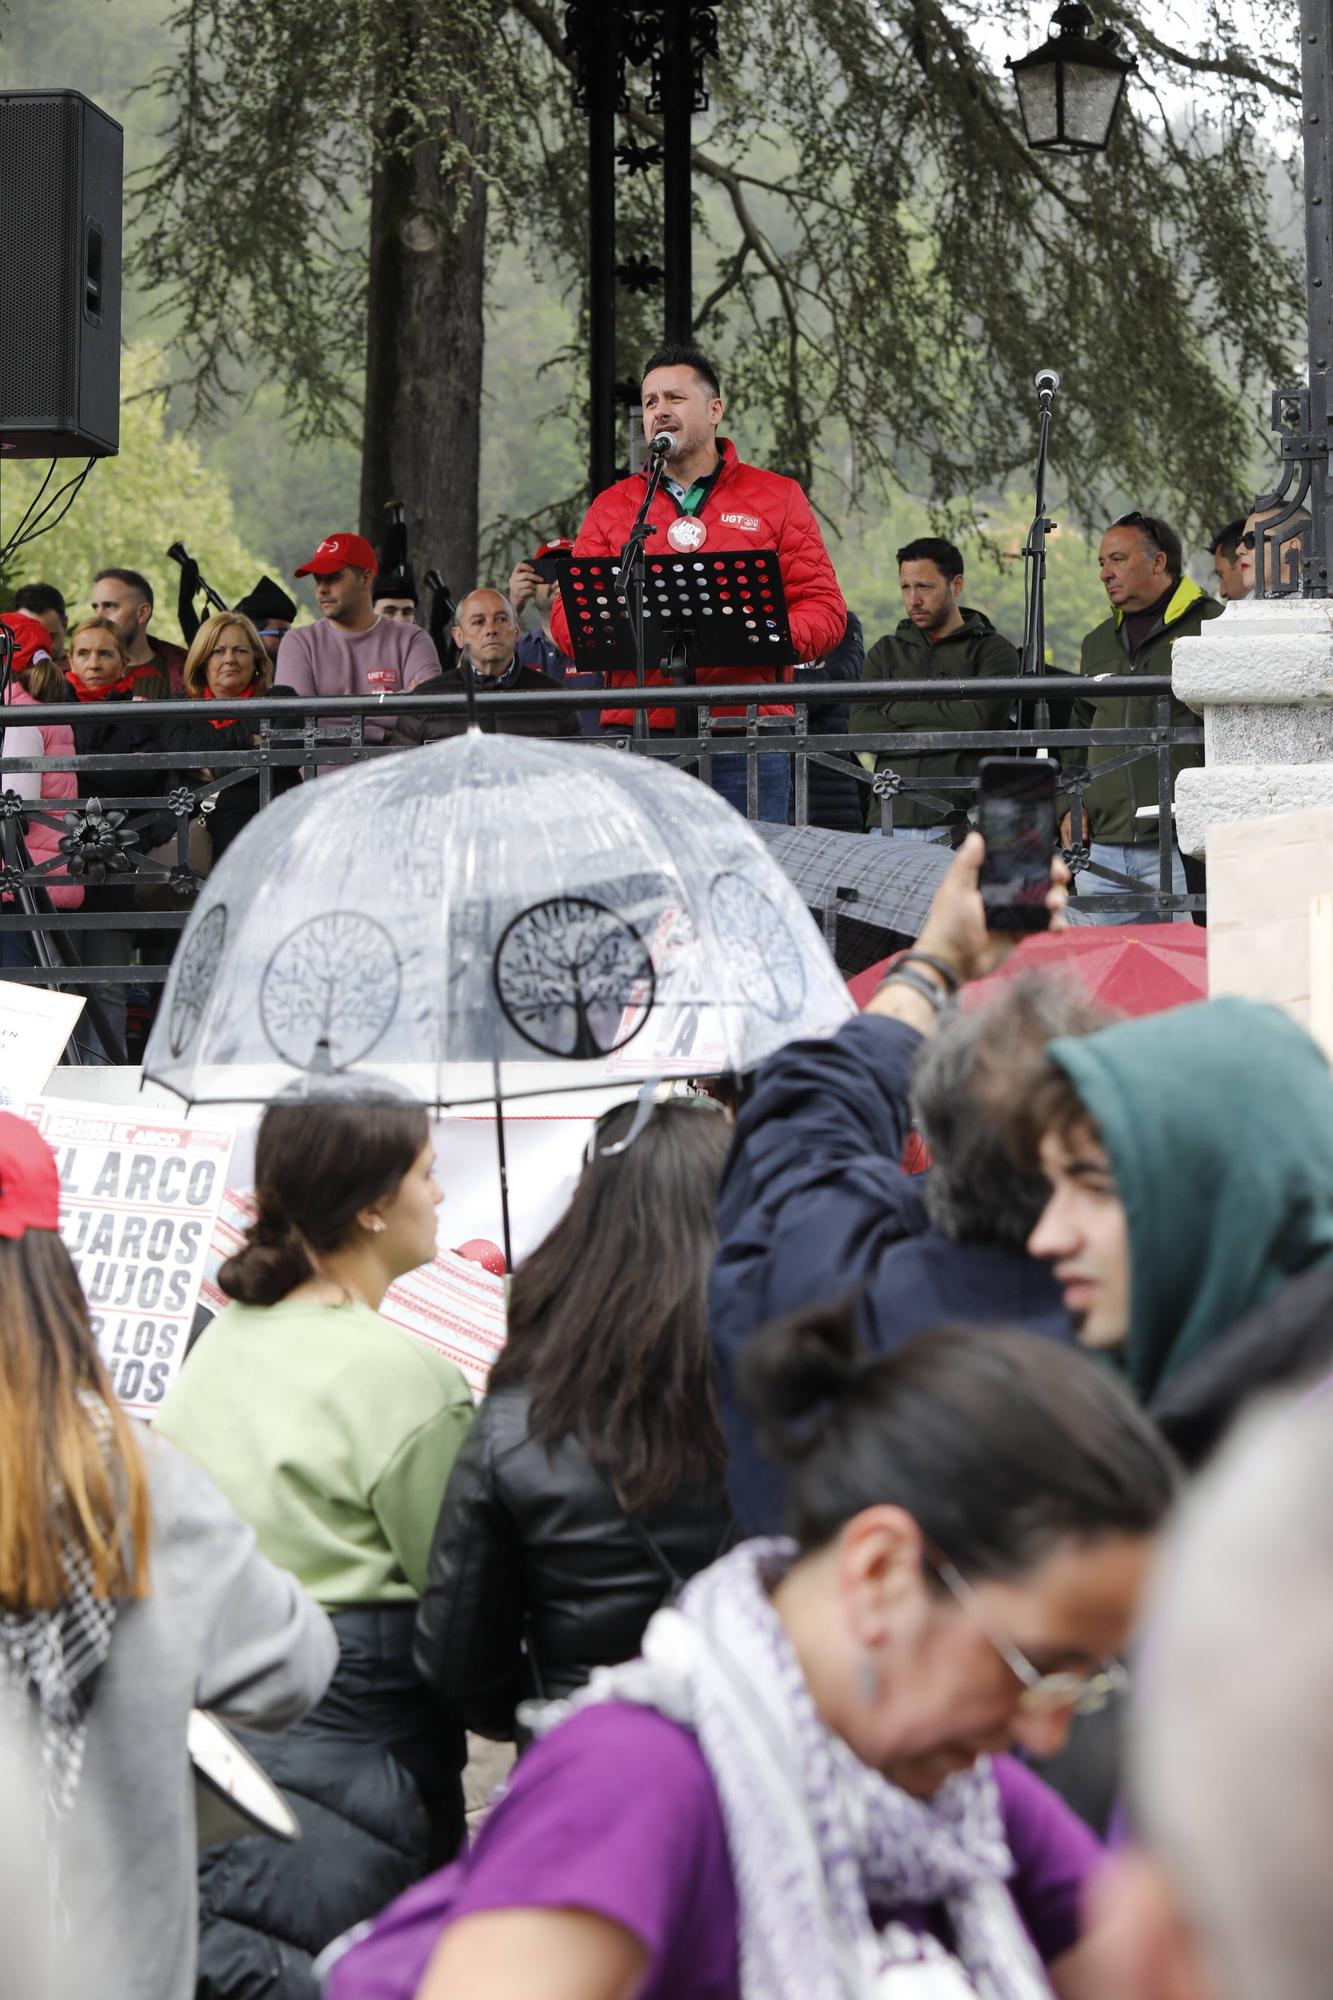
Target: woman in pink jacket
x,y
35,679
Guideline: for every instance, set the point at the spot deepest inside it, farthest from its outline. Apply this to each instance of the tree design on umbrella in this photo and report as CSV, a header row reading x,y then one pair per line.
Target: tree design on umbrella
x,y
765,958
334,982
566,970
194,977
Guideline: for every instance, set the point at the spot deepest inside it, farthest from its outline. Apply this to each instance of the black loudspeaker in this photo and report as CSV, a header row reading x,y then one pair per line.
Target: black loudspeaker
x,y
60,198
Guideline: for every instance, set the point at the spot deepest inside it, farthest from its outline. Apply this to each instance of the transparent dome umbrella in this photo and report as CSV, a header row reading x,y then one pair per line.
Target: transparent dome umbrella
x,y
487,918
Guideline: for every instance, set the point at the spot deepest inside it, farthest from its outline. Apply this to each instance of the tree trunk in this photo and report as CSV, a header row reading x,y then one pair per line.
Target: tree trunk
x,y
421,442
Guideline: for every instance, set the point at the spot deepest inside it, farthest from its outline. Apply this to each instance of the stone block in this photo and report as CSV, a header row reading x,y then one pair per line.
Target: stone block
x,y
1263,875
1219,794
1268,733
1272,650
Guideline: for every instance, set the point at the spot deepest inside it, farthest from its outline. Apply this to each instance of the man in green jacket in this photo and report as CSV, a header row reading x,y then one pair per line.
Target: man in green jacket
x,y
940,639
1152,605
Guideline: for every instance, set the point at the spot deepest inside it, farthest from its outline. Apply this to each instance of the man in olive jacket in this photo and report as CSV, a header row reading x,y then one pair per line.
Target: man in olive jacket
x,y
1152,605
938,640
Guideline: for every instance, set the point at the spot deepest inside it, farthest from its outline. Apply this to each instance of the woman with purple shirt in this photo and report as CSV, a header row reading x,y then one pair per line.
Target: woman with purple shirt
x,y
800,1791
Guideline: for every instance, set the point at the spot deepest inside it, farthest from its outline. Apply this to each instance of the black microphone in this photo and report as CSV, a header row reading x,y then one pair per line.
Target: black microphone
x,y
1046,382
661,444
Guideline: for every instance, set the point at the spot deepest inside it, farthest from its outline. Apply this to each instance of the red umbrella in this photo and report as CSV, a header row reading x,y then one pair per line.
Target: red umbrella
x,y
1131,968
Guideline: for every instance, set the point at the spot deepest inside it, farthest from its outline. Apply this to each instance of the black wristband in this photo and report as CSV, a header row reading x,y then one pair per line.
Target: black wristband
x,y
903,976
946,971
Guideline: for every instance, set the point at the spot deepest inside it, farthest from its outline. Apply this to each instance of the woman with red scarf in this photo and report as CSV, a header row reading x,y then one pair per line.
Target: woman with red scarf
x,y
99,667
226,663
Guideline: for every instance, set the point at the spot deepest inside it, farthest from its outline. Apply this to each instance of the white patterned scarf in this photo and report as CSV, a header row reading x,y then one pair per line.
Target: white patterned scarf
x,y
817,1840
49,1663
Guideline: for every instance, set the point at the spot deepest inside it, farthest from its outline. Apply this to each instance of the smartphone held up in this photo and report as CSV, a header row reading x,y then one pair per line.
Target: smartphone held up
x,y
1016,816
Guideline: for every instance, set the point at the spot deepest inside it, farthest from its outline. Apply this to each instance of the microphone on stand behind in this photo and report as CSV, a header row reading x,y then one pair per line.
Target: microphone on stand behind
x,y
1046,382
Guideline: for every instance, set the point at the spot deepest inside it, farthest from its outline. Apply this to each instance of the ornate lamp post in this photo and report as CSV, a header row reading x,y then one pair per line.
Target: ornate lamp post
x,y
1069,89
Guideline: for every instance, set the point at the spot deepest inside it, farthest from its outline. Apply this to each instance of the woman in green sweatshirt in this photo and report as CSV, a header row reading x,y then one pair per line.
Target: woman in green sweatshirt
x,y
333,1434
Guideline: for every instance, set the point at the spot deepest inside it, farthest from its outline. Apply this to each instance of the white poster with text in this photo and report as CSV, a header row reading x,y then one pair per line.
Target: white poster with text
x,y
139,1202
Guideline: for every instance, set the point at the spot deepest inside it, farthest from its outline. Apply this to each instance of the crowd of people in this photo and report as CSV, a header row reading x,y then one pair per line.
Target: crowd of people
x,y
367,640
814,1544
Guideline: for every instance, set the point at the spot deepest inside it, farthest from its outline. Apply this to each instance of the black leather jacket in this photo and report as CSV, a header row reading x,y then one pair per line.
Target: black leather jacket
x,y
531,1546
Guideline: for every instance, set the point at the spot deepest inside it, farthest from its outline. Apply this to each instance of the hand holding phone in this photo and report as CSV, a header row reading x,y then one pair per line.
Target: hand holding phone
x,y
1016,815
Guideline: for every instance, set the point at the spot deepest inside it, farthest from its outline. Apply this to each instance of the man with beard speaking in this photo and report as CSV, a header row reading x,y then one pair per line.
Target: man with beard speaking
x,y
709,499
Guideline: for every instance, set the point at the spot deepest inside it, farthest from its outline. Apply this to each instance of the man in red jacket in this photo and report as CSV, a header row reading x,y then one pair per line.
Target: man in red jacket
x,y
710,499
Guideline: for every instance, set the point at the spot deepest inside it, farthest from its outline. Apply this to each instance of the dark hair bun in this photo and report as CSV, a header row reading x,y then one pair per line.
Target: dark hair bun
x,y
795,1373
272,1261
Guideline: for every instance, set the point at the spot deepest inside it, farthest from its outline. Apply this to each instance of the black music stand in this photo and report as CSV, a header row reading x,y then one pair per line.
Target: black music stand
x,y
711,608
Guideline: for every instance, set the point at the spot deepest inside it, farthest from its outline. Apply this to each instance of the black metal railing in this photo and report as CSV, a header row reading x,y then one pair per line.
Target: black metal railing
x,y
107,833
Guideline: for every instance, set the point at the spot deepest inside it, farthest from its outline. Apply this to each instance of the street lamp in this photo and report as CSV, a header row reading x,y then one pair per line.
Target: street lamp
x,y
1069,89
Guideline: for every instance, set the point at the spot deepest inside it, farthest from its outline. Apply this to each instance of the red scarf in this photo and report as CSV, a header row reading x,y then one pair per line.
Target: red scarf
x,y
126,685
244,695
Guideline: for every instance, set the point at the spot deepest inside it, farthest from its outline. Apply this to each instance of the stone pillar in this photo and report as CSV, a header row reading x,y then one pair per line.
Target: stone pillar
x,y
1261,675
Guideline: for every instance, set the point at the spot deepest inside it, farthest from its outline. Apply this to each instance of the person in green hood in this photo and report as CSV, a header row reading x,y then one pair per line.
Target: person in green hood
x,y
1152,605
939,639
1190,1157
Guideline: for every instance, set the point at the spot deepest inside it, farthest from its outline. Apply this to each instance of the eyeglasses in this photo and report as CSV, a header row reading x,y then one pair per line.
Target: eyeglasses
x,y
648,1101
1043,1694
1246,541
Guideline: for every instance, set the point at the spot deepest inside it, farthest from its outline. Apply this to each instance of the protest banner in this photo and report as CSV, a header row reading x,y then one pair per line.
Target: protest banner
x,y
35,1025
455,1304
138,1204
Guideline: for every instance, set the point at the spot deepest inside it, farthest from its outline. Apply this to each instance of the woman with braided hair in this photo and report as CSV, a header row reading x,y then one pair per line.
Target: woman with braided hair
x,y
130,1593
333,1432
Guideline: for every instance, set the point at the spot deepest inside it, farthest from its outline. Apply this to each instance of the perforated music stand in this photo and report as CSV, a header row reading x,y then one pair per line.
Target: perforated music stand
x,y
712,608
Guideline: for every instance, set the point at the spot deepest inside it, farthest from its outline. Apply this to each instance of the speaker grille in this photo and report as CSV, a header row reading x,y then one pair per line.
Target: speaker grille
x,y
39,171
60,166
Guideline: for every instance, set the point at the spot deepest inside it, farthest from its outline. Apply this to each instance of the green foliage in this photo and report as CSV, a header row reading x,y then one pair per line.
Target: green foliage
x,y
274,112
133,507
880,262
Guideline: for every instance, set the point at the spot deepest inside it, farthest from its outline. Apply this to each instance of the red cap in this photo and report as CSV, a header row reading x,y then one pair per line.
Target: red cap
x,y
560,547
29,1182
32,641
337,552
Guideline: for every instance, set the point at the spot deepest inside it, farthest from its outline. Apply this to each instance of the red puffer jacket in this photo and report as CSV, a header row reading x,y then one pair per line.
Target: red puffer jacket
x,y
746,508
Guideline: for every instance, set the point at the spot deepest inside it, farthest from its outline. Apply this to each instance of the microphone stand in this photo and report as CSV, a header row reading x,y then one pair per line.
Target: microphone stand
x,y
443,612
631,578
1033,658
178,553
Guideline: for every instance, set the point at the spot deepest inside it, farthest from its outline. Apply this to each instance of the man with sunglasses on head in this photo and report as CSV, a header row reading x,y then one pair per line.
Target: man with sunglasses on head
x,y
1152,605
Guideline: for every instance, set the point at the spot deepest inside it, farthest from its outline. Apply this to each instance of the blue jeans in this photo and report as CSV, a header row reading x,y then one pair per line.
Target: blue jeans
x,y
730,783
1144,865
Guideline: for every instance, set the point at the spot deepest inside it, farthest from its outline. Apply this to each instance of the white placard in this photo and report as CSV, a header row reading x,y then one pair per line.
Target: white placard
x,y
139,1201
35,1024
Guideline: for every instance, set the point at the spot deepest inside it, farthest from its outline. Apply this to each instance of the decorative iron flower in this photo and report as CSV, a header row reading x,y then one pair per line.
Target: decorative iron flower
x,y
12,806
96,844
886,784
636,159
182,801
639,274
